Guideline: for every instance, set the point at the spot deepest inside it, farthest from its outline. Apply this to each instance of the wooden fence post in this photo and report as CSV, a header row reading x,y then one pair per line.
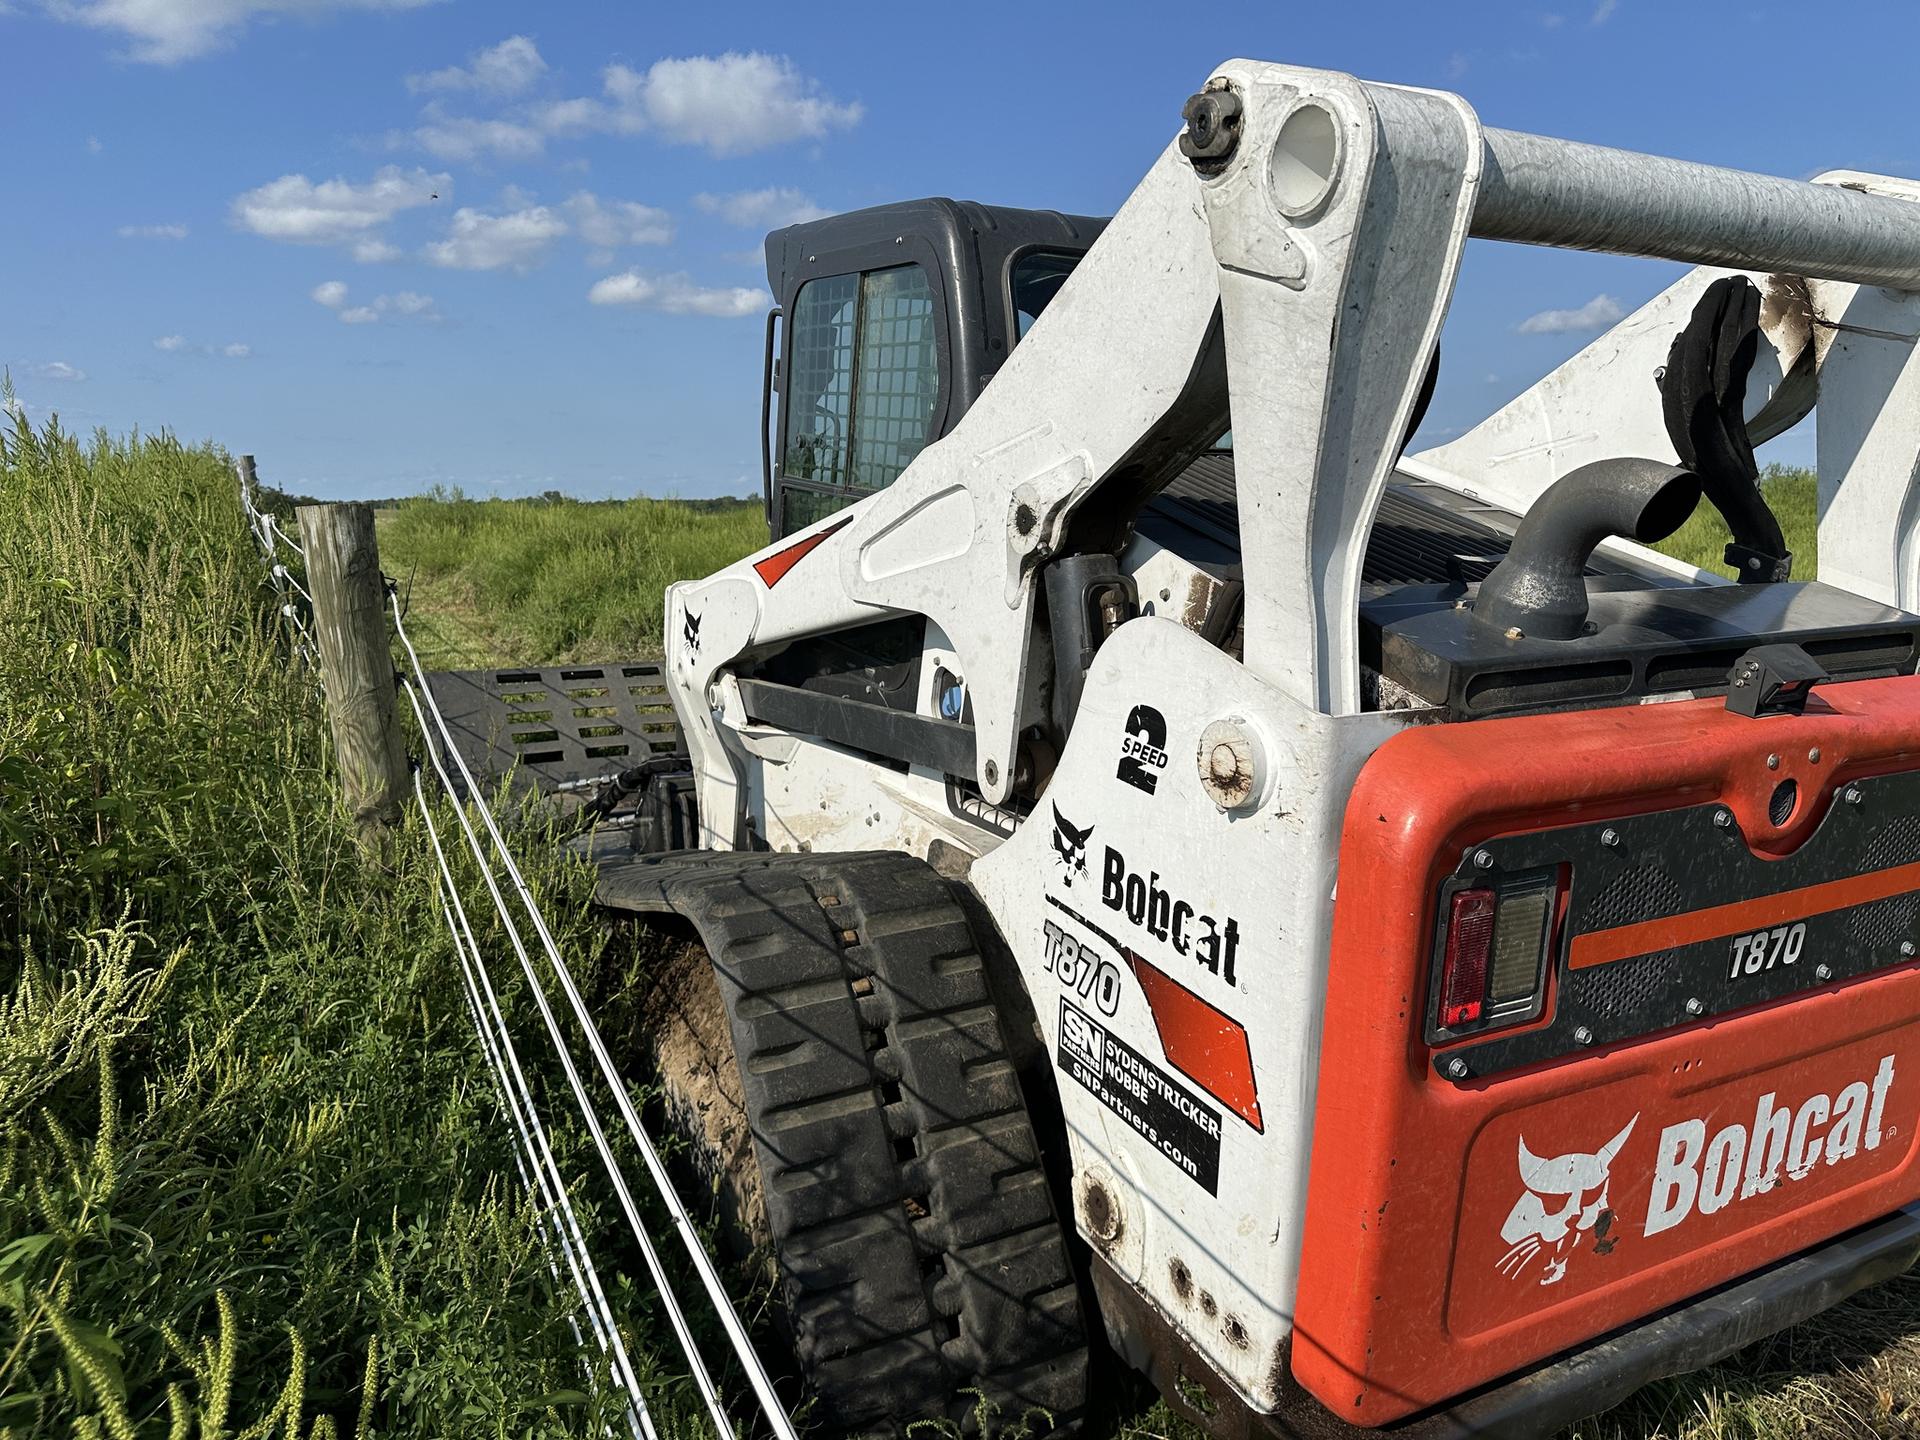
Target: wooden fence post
x,y
356,665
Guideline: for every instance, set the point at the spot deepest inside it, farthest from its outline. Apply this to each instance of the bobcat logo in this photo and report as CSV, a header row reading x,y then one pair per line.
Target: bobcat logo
x,y
1533,1227
1069,846
691,632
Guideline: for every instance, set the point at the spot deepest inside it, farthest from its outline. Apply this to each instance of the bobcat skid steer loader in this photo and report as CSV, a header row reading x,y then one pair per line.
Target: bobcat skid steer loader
x,y
1354,932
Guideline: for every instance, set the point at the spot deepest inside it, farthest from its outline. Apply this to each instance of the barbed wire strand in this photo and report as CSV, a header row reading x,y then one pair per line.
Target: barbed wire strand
x,y
683,1222
588,1114
541,1219
517,1100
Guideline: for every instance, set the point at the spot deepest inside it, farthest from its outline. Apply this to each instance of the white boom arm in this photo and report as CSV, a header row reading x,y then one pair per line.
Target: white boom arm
x,y
1329,239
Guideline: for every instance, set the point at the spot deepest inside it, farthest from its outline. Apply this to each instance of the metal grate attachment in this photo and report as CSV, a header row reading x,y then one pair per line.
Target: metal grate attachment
x,y
578,722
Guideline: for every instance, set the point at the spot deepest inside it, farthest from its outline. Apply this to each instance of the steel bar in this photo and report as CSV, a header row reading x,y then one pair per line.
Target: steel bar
x,y
1541,191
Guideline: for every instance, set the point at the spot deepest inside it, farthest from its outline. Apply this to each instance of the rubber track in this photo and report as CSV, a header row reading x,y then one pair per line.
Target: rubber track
x,y
904,1188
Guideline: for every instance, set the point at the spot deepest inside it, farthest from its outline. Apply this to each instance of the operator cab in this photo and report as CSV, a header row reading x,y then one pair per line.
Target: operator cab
x,y
894,319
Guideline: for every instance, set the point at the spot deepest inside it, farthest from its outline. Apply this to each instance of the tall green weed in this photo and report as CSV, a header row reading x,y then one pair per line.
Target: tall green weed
x,y
249,1164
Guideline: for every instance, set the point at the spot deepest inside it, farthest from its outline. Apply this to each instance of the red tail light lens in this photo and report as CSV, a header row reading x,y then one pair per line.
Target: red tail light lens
x,y
1463,974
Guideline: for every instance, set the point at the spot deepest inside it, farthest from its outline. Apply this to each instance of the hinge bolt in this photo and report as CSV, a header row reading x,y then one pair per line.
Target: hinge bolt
x,y
1823,972
1696,1006
1582,1036
1851,795
1723,818
1457,1068
1906,948
1609,837
1483,859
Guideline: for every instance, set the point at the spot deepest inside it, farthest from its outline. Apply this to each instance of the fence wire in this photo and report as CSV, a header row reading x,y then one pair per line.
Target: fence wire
x,y
495,861
563,1242
296,604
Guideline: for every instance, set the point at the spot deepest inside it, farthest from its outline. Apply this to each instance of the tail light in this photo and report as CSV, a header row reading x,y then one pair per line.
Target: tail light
x,y
1490,957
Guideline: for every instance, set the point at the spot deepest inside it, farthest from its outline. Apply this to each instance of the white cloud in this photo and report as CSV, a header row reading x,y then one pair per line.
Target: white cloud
x,y
165,32
94,147
767,209
464,139
333,295
1596,314
731,104
677,295
170,343
59,370
1603,12
479,241
336,211
609,224
236,351
153,232
373,252
504,69
580,116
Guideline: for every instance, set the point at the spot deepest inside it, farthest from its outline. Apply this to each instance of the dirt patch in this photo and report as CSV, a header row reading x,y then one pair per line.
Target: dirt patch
x,y
683,1026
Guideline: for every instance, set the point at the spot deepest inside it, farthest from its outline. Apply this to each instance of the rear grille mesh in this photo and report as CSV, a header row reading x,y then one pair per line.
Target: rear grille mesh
x,y
1642,893
1625,990
1898,843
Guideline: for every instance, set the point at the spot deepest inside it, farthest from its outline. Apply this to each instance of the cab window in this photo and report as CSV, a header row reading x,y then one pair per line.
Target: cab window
x,y
861,392
1035,278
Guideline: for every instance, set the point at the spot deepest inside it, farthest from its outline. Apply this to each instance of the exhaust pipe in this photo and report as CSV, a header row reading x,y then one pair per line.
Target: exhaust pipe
x,y
1539,589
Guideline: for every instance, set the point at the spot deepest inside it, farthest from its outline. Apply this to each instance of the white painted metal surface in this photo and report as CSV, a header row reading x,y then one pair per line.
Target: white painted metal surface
x,y
1329,244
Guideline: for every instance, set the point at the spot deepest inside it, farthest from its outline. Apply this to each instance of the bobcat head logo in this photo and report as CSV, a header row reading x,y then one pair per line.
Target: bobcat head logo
x,y
1069,846
1565,1199
691,632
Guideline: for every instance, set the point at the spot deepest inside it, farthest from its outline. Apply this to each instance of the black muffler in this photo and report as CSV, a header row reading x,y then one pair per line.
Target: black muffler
x,y
1540,589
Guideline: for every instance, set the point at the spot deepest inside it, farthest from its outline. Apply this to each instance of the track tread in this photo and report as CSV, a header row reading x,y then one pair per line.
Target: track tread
x,y
935,1183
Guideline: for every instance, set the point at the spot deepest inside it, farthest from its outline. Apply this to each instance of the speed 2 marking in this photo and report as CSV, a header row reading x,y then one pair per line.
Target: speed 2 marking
x,y
1082,969
1764,949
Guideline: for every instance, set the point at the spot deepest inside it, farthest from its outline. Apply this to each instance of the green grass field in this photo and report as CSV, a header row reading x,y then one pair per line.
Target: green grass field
x,y
252,1176
552,580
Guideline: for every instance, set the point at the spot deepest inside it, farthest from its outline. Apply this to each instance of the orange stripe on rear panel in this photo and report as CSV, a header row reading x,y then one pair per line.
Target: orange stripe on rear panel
x,y
1599,947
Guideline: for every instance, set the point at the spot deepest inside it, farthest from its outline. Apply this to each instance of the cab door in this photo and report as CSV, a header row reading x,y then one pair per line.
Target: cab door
x,y
861,388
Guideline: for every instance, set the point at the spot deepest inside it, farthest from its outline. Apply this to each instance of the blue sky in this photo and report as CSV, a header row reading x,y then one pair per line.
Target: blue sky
x,y
387,244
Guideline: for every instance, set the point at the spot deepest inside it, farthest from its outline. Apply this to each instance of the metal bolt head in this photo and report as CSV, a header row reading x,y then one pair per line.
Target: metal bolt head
x,y
1773,762
1457,1068
1231,764
1906,948
1813,756
1696,1006
1514,632
1610,837
1823,972
1723,818
1582,1035
1483,859
1213,127
1851,795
